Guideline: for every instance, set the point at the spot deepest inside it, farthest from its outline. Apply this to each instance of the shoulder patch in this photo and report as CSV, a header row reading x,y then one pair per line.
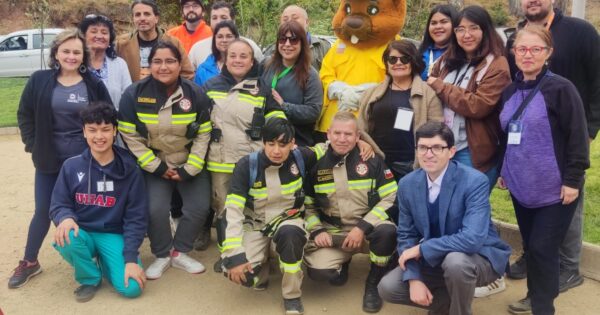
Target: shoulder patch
x,y
388,174
362,169
185,105
294,169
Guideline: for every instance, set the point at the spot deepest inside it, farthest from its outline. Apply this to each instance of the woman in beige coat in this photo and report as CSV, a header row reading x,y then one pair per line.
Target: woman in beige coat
x,y
391,111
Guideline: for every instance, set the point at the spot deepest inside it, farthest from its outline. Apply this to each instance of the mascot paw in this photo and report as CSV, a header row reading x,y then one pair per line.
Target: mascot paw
x,y
349,99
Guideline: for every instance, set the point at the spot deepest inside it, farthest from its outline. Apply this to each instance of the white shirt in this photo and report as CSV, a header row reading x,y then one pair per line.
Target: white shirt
x,y
435,186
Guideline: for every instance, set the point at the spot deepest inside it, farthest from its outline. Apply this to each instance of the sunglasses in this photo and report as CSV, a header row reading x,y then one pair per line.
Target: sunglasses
x,y
99,17
293,40
403,59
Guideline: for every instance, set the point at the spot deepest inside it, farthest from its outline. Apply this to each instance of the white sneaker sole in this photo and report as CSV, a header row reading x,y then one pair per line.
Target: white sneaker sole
x,y
490,289
157,276
199,270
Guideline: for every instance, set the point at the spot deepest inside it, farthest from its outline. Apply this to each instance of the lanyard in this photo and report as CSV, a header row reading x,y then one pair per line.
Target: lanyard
x,y
281,75
430,62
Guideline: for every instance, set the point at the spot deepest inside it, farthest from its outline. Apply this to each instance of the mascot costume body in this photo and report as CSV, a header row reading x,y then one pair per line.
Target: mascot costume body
x,y
353,64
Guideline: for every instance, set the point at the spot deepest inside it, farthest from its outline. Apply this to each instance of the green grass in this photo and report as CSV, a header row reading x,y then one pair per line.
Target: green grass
x,y
10,94
503,209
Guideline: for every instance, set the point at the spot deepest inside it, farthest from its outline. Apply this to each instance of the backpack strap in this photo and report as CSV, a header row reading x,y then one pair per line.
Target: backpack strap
x,y
253,168
300,162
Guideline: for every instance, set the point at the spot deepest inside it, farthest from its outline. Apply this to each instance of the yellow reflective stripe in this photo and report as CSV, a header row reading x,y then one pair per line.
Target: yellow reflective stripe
x,y
387,189
275,114
216,94
146,158
379,260
258,192
195,161
151,119
126,127
220,167
290,268
205,127
231,243
308,200
236,200
380,213
292,187
256,101
318,151
311,221
182,119
359,184
325,188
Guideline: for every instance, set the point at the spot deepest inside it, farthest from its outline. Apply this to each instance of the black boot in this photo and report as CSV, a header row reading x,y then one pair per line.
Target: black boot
x,y
372,302
342,278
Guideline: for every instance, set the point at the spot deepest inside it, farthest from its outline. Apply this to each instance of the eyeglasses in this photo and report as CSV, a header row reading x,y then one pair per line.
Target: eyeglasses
x,y
435,149
193,6
160,62
293,40
403,59
534,50
461,30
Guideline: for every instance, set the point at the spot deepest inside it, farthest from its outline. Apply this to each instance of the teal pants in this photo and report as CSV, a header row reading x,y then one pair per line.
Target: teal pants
x,y
94,255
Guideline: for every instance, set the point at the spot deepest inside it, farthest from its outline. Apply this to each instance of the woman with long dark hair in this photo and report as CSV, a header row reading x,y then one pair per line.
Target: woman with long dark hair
x,y
224,33
437,36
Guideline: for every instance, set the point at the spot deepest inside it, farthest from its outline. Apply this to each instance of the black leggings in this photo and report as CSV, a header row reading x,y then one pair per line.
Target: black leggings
x,y
40,223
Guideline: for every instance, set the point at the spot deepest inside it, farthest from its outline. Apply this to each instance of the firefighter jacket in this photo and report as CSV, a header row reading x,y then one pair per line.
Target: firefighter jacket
x,y
277,188
345,191
233,109
165,131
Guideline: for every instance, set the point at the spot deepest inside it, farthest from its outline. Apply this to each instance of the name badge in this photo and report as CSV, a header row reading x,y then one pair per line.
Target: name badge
x,y
515,128
404,119
110,186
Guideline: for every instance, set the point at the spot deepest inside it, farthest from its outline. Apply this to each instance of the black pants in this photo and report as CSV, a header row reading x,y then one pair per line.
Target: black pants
x,y
543,230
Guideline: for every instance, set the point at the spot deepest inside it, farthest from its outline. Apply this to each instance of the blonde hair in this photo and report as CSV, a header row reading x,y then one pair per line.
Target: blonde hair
x,y
68,34
538,31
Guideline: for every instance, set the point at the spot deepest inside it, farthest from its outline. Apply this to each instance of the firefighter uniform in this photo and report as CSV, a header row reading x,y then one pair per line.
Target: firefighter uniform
x,y
256,216
236,114
169,131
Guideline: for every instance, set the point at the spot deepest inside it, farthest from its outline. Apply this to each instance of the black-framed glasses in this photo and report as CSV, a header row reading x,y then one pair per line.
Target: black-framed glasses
x,y
193,6
435,149
534,50
403,59
293,40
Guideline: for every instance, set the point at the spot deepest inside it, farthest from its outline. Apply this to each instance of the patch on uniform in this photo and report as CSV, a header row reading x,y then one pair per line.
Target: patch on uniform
x,y
185,105
294,169
327,171
362,169
148,100
324,178
388,174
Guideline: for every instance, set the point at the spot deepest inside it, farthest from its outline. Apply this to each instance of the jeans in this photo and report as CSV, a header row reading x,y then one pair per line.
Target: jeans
x,y
464,156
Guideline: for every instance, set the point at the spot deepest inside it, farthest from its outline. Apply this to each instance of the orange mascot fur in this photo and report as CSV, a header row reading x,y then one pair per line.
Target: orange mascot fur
x,y
353,64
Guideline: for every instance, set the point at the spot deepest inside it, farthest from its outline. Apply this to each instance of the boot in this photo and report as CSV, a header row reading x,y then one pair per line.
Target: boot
x,y
342,278
372,302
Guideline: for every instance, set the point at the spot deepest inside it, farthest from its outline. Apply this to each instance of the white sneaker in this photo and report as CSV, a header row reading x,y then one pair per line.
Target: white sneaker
x,y
156,269
494,287
187,263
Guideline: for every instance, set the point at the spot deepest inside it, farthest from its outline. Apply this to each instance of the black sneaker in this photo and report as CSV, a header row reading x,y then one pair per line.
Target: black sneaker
x,y
522,306
568,280
23,273
218,266
86,292
293,306
203,240
342,278
518,270
261,286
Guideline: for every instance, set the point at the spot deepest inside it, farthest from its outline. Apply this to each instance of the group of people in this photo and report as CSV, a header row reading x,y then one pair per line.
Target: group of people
x,y
211,130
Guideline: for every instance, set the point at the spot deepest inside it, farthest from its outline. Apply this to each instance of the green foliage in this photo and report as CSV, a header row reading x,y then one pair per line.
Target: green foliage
x,y
417,12
499,14
170,12
10,94
38,12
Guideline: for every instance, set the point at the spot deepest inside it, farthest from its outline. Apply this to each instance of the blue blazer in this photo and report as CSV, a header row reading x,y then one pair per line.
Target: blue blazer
x,y
465,219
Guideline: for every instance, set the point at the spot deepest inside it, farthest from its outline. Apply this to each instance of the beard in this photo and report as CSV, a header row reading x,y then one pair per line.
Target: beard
x,y
192,17
538,16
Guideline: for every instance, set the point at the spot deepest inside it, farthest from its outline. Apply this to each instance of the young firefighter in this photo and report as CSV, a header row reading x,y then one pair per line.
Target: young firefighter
x,y
264,206
100,210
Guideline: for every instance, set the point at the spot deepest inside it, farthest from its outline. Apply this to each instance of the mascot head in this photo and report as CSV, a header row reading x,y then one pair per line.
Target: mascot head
x,y
369,23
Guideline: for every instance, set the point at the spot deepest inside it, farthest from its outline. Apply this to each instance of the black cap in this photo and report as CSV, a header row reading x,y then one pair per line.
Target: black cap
x,y
182,2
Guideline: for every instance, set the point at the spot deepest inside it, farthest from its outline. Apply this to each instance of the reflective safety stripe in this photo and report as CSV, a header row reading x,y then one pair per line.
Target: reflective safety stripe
x,y
380,213
205,127
256,101
182,119
292,187
275,114
146,158
318,151
308,200
379,260
325,188
151,119
235,200
291,268
216,94
359,184
311,221
387,189
258,193
220,167
126,127
195,161
231,243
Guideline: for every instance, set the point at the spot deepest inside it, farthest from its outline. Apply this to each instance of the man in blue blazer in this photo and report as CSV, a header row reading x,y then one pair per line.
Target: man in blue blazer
x,y
446,240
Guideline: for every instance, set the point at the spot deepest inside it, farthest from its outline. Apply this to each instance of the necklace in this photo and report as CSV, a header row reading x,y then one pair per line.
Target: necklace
x,y
401,88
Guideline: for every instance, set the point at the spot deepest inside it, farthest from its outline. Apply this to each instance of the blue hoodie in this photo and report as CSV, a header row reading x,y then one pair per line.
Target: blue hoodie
x,y
109,199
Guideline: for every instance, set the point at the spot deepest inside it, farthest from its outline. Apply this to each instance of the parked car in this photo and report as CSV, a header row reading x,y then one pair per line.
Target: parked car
x,y
24,52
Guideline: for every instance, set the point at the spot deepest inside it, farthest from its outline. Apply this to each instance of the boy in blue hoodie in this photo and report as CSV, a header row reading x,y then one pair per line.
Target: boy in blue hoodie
x,y
100,209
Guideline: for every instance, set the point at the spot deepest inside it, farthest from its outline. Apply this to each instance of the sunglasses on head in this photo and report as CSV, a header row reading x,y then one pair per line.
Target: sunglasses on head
x,y
293,39
99,17
403,59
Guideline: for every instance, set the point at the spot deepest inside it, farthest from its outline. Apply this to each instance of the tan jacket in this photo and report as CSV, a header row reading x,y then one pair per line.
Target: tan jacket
x,y
128,48
425,105
478,103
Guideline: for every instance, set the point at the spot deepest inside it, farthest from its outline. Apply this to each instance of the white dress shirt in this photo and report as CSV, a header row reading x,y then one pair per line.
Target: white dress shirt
x,y
435,186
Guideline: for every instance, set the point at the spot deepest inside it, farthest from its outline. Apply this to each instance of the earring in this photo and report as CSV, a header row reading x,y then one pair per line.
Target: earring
x,y
82,69
56,65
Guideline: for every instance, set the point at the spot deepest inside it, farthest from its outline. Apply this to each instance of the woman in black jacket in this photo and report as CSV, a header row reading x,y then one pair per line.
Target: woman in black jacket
x,y
51,130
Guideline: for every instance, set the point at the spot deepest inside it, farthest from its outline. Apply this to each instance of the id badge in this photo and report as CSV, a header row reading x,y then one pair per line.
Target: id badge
x,y
109,186
404,119
515,128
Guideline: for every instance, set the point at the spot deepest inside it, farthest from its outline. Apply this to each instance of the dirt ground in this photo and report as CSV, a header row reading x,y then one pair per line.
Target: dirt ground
x,y
176,292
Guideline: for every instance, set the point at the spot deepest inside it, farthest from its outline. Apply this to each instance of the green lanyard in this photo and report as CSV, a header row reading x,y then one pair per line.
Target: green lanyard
x,y
281,75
